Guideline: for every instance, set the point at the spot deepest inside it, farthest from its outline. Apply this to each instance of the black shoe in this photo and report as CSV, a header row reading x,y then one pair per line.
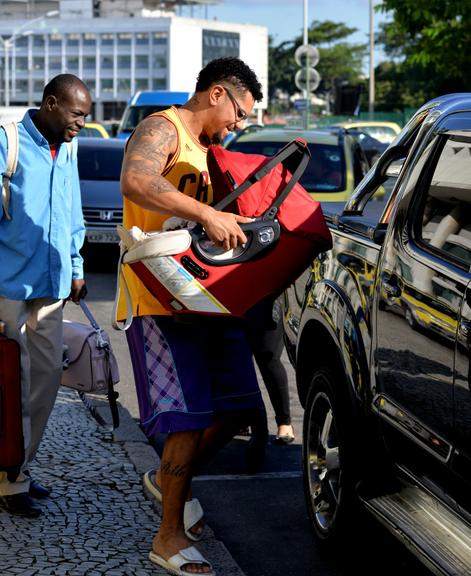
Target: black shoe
x,y
37,490
21,505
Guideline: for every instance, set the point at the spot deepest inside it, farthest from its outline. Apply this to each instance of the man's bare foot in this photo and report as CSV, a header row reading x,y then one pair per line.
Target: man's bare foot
x,y
166,547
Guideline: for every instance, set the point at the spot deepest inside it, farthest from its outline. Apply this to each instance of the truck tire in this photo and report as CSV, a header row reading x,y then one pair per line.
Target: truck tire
x,y
328,455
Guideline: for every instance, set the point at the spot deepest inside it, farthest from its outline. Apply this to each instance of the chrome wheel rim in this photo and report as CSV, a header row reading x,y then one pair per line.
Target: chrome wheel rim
x,y
323,463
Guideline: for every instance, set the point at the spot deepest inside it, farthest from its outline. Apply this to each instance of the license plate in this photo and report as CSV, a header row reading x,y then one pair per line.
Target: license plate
x,y
107,237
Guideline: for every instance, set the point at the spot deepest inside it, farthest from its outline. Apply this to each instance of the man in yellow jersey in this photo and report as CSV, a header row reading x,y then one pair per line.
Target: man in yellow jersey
x,y
195,377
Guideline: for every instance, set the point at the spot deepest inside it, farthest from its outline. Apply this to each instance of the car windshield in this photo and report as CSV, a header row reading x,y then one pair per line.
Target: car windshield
x,y
324,173
381,133
99,163
135,114
88,132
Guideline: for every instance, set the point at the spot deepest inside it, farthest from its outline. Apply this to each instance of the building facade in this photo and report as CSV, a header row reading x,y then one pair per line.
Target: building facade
x,y
118,55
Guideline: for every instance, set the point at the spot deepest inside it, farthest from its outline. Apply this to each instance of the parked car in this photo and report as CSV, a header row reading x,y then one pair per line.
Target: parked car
x,y
337,161
372,147
382,131
99,165
379,331
93,130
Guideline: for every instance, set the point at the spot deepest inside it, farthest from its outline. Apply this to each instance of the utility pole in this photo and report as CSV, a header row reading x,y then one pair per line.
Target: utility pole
x,y
371,92
307,92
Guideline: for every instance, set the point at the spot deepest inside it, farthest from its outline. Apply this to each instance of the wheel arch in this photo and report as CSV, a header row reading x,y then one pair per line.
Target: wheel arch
x,y
330,334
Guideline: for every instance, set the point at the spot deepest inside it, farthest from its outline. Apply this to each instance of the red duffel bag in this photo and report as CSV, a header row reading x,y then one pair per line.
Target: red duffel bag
x,y
288,231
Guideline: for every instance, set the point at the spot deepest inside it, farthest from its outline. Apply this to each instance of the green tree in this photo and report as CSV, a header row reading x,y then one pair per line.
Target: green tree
x,y
433,39
339,60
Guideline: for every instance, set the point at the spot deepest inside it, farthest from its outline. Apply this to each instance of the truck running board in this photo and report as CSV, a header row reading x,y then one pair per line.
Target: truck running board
x,y
428,529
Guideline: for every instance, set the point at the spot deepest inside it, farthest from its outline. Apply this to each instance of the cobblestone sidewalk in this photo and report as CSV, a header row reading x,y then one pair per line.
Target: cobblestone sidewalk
x,y
97,520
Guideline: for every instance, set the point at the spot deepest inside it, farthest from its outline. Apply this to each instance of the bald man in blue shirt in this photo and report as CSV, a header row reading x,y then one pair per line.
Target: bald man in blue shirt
x,y
41,233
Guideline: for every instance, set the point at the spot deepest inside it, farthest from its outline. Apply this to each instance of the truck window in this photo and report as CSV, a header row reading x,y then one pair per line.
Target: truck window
x,y
445,215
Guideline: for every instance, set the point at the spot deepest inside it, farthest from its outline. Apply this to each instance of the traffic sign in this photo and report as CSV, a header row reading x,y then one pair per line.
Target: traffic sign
x,y
307,79
306,52
300,104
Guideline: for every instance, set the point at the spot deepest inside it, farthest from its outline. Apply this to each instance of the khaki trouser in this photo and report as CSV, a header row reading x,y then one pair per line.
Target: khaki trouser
x,y
37,326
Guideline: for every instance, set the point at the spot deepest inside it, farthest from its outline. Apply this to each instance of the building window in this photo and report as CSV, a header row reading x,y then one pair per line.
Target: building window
x,y
38,41
160,38
159,84
159,62
55,63
38,63
107,62
107,85
142,61
55,40
142,84
21,64
72,39
218,44
107,39
21,41
124,39
142,38
22,86
124,85
124,62
38,86
89,39
90,83
72,63
89,62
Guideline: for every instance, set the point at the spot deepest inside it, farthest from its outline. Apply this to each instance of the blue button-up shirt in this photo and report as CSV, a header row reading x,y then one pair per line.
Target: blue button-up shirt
x,y
39,246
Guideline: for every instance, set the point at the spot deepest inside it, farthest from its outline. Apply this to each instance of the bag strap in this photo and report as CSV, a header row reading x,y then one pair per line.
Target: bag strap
x,y
122,327
112,395
296,147
11,132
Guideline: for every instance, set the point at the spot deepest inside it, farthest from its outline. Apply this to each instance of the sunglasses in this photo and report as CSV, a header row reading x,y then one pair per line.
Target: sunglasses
x,y
240,112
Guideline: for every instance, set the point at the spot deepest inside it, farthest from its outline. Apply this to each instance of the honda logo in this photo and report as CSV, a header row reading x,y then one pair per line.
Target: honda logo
x,y
106,215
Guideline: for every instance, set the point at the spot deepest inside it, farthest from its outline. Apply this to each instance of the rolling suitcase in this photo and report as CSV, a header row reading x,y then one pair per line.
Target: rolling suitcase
x,y
11,427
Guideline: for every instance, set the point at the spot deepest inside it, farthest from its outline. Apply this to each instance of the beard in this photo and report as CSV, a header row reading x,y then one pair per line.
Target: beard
x,y
216,138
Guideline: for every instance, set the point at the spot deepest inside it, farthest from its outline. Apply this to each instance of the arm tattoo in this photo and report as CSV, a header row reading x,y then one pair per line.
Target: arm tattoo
x,y
149,150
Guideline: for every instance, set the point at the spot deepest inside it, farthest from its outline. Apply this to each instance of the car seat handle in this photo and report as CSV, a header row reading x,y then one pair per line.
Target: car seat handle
x,y
295,151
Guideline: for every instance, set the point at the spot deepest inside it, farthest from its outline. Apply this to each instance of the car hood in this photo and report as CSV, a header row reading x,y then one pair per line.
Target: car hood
x,y
101,194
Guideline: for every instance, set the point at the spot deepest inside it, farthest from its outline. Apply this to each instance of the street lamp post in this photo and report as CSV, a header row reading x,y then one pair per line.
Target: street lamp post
x,y
10,42
371,85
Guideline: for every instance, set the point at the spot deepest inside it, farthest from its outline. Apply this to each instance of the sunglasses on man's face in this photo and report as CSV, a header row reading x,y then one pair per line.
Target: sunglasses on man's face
x,y
240,112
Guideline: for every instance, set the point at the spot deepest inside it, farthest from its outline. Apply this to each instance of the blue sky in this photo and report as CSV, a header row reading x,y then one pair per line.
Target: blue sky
x,y
284,18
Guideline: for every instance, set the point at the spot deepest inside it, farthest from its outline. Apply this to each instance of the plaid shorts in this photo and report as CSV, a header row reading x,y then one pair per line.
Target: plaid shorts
x,y
186,371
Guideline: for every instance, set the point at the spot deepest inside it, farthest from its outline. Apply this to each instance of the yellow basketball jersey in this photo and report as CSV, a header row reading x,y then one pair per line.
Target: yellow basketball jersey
x,y
188,172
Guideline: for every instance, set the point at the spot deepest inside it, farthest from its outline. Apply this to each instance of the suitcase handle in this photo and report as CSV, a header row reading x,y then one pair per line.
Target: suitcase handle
x,y
261,235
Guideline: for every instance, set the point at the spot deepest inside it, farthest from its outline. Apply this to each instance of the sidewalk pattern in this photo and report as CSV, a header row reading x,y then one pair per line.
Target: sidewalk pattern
x,y
97,521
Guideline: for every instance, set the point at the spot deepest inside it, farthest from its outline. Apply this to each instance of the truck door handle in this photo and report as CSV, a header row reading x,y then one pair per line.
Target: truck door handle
x,y
392,290
465,329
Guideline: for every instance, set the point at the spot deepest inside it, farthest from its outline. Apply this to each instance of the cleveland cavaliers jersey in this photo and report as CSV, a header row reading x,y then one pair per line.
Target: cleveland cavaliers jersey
x,y
187,171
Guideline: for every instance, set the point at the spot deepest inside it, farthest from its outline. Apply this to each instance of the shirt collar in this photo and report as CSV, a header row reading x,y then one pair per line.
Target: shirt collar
x,y
31,127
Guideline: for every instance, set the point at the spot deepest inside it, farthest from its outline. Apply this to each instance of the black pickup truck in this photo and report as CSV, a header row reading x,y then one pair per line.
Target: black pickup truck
x,y
379,331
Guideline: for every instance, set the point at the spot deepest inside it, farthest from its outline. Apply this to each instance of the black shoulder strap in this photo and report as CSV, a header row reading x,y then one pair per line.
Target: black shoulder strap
x,y
296,151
